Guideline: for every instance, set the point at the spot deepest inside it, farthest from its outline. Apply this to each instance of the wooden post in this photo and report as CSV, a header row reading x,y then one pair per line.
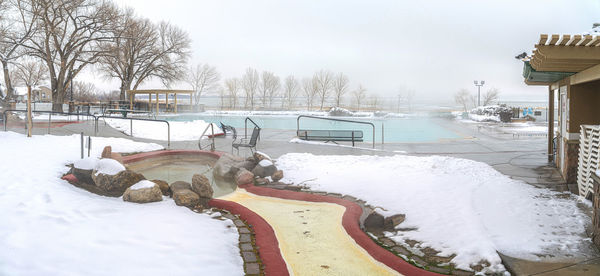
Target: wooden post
x,y
175,102
167,101
29,120
551,124
130,100
157,103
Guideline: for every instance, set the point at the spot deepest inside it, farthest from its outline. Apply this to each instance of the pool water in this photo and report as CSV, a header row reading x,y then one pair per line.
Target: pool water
x,y
408,129
182,169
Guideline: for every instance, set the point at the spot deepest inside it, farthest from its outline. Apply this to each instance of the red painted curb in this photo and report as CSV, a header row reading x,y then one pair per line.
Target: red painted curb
x,y
350,223
268,246
144,155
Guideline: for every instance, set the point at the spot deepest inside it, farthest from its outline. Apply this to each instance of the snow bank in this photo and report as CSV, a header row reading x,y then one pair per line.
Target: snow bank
x,y
142,185
459,206
50,227
180,131
108,166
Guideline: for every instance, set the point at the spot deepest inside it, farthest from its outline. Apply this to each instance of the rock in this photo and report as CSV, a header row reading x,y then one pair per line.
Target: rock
x,y
244,177
83,175
201,186
374,221
251,159
223,167
143,195
106,152
278,175
115,185
179,185
186,197
391,222
116,156
163,186
264,168
262,181
259,156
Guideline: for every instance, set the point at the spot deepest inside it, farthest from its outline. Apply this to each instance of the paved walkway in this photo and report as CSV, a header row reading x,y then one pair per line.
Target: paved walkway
x,y
523,159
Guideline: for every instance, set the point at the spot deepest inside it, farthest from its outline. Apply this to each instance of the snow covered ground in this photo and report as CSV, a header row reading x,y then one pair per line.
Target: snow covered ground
x,y
458,206
49,227
180,131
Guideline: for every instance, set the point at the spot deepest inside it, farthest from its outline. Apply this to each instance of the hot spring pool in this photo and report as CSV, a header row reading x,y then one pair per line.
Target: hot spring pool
x,y
396,129
181,167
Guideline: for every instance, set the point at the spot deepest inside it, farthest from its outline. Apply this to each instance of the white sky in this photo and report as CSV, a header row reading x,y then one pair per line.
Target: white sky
x,y
433,47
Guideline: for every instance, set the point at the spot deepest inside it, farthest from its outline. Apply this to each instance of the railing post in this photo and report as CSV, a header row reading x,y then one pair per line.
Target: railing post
x,y
353,138
49,121
89,145
82,145
168,135
382,134
131,127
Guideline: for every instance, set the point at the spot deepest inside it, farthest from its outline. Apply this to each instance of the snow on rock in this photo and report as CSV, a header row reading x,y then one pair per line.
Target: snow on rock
x,y
265,163
88,163
142,185
108,166
49,227
458,206
180,131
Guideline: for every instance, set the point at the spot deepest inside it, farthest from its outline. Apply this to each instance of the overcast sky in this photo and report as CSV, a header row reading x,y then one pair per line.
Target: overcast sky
x,y
433,47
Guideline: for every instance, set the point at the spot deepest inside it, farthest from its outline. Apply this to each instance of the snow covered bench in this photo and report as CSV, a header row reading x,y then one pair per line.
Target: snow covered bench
x,y
331,135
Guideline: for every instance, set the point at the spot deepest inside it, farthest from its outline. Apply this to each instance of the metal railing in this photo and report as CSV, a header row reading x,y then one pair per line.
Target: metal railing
x,y
131,125
43,112
246,127
337,120
212,144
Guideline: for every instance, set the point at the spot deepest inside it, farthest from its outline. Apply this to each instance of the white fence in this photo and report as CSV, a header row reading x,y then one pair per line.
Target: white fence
x,y
589,155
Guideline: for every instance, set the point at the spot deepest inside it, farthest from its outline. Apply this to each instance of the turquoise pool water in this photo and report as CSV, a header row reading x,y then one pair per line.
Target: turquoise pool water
x,y
407,129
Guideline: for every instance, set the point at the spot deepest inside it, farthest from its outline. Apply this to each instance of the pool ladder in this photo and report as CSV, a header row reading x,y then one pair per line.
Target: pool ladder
x,y
212,138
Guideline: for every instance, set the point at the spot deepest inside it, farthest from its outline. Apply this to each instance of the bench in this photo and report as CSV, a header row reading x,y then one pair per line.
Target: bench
x,y
124,112
331,135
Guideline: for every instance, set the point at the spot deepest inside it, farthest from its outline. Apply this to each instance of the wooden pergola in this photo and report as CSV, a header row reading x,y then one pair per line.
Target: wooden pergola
x,y
156,92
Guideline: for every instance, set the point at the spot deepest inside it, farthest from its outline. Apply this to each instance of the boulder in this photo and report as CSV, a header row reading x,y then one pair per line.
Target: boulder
x,y
186,197
264,168
164,186
244,177
262,181
106,152
179,185
116,156
374,221
259,156
391,222
223,167
83,175
115,185
143,192
278,175
201,186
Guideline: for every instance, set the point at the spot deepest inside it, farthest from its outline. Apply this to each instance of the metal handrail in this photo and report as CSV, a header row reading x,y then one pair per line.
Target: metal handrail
x,y
338,120
41,111
131,125
212,129
246,126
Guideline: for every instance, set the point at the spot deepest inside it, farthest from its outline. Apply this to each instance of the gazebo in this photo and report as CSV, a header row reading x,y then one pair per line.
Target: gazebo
x,y
131,95
570,66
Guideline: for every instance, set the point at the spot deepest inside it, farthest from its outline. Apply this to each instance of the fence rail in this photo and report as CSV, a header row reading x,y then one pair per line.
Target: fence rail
x,y
589,158
131,125
5,118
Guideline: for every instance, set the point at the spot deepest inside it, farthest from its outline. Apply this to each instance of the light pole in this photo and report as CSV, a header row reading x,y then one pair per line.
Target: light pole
x,y
479,85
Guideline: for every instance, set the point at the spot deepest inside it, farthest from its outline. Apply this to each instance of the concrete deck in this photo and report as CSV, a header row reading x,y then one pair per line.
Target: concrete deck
x,y
522,158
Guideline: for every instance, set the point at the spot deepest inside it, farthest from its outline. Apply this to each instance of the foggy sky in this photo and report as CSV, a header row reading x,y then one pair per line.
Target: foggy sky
x,y
433,47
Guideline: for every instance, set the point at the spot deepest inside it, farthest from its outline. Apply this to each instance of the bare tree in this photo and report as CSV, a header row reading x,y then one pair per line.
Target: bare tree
x,y
30,73
340,87
269,87
250,82
463,97
309,89
222,95
374,101
290,91
232,86
69,37
409,94
490,96
142,50
85,92
14,31
324,81
203,78
359,96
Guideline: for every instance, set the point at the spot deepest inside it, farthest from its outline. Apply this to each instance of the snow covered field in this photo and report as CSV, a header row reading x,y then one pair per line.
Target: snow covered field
x,y
180,131
49,227
458,206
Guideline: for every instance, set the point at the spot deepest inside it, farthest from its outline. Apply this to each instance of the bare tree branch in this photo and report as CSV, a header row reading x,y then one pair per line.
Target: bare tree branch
x,y
340,87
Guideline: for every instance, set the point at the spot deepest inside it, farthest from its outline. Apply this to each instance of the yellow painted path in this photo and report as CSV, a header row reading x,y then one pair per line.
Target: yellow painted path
x,y
311,236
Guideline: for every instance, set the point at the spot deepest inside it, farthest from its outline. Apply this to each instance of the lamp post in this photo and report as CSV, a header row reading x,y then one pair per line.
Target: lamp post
x,y
479,85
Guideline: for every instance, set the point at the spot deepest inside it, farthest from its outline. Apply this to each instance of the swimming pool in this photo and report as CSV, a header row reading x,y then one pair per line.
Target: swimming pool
x,y
402,130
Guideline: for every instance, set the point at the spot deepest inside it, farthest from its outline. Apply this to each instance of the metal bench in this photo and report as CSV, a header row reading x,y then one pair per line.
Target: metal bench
x,y
331,135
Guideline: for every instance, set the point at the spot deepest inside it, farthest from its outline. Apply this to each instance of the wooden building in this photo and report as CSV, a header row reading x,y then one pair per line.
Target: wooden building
x,y
569,65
